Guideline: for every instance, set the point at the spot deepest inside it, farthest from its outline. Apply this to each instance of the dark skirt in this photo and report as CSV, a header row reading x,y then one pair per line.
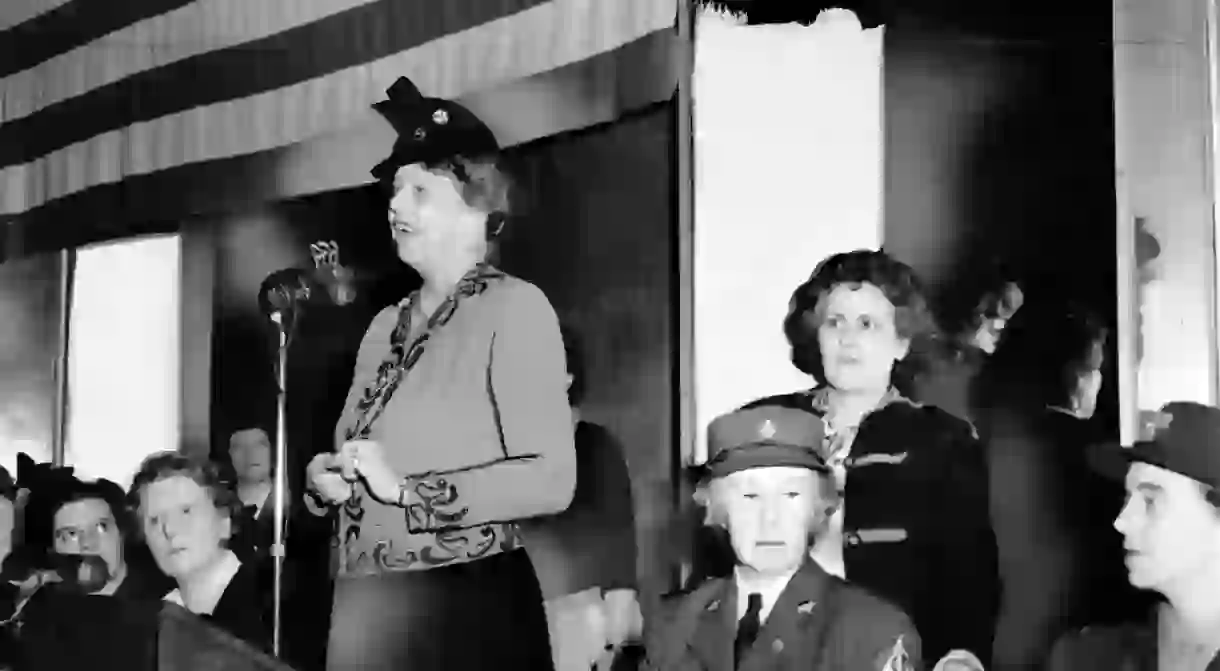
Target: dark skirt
x,y
484,614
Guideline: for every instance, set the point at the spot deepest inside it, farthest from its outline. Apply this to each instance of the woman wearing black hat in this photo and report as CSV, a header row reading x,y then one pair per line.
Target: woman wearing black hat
x,y
456,424
96,588
914,525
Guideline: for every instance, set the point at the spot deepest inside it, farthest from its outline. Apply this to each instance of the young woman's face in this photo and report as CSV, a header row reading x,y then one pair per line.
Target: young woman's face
x,y
858,338
429,220
88,527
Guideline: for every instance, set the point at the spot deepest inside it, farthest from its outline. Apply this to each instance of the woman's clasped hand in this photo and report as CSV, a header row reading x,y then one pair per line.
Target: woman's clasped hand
x,y
332,475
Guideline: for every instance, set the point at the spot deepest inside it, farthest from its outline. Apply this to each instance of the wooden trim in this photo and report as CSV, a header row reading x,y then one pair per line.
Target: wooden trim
x,y
196,302
685,138
1213,179
59,430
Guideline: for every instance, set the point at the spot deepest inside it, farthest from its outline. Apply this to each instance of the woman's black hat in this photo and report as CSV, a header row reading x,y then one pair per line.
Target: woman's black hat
x,y
429,130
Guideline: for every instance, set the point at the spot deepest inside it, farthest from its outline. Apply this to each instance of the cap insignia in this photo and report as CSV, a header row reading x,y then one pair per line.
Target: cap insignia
x,y
767,430
440,117
1158,423
898,660
420,133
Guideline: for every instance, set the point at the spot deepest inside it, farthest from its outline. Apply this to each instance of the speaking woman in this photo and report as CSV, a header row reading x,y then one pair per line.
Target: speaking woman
x,y
455,427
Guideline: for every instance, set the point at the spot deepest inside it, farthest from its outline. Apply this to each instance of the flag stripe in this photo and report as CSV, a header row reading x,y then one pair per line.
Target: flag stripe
x,y
71,25
489,55
197,28
20,11
356,36
155,202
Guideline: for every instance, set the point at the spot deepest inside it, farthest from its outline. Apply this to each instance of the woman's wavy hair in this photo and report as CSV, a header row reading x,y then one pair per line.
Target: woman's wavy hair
x,y
1043,352
897,281
203,472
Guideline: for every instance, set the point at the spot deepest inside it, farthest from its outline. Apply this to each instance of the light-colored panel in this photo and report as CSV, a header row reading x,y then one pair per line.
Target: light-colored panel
x,y
123,356
1164,181
788,170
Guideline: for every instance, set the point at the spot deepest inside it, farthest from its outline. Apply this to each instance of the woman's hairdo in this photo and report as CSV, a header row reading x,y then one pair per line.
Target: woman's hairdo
x,y
714,514
896,280
573,350
1043,351
43,505
203,472
482,184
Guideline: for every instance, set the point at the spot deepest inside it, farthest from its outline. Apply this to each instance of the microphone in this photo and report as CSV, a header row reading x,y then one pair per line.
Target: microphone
x,y
329,281
282,291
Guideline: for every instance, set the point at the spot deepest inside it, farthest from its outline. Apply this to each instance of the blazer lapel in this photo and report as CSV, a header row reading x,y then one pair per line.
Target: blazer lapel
x,y
787,628
711,642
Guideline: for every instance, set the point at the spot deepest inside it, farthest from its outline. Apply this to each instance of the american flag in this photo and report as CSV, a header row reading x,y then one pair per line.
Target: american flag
x,y
115,114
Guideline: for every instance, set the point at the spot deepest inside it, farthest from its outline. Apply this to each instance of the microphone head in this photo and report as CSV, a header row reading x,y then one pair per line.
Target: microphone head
x,y
282,290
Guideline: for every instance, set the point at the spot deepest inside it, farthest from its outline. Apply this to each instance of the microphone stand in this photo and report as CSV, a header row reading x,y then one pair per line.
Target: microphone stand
x,y
285,320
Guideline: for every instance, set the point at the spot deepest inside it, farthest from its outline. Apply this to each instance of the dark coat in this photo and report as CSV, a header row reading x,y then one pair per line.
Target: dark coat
x,y
916,526
1128,647
1061,561
818,622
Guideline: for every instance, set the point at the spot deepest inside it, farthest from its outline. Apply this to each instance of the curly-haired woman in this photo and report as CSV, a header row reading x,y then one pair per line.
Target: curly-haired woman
x,y
914,525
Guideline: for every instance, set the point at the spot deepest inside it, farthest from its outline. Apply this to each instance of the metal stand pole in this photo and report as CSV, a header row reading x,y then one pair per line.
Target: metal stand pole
x,y
281,481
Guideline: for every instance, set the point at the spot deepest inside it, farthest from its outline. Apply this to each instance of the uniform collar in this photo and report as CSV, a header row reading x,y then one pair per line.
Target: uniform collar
x,y
716,617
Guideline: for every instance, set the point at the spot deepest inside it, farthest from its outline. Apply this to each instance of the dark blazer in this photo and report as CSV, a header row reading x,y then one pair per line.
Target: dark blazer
x,y
917,528
1129,647
1061,561
819,622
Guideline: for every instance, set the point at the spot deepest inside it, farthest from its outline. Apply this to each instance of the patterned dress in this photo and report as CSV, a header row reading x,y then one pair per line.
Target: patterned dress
x,y
470,406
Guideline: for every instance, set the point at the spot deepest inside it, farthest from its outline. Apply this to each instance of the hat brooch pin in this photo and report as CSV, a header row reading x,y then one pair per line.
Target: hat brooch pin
x,y
767,430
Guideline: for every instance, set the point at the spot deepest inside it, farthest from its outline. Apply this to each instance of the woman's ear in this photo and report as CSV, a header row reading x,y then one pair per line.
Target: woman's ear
x,y
904,348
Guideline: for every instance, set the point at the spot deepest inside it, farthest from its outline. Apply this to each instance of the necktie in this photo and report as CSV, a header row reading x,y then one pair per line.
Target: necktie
x,y
747,629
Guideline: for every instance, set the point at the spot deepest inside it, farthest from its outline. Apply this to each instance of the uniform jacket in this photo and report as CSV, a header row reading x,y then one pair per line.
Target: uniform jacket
x,y
819,622
917,528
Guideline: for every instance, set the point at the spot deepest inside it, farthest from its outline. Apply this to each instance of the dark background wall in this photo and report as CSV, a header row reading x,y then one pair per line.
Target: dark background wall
x,y
595,230
30,312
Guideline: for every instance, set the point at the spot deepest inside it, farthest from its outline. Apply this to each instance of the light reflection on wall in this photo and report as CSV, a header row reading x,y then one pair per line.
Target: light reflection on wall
x,y
788,171
29,346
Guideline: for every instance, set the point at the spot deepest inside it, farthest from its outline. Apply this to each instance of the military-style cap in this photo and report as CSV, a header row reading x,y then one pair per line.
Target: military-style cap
x,y
764,436
429,129
1185,439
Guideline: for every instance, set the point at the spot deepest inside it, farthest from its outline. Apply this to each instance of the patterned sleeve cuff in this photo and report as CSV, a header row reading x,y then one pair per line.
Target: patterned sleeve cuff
x,y
315,505
432,503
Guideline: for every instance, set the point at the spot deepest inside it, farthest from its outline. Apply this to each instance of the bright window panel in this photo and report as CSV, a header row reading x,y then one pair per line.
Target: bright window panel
x,y
788,152
123,356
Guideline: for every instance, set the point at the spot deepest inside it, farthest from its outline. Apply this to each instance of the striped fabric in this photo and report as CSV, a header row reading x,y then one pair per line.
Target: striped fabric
x,y
125,113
